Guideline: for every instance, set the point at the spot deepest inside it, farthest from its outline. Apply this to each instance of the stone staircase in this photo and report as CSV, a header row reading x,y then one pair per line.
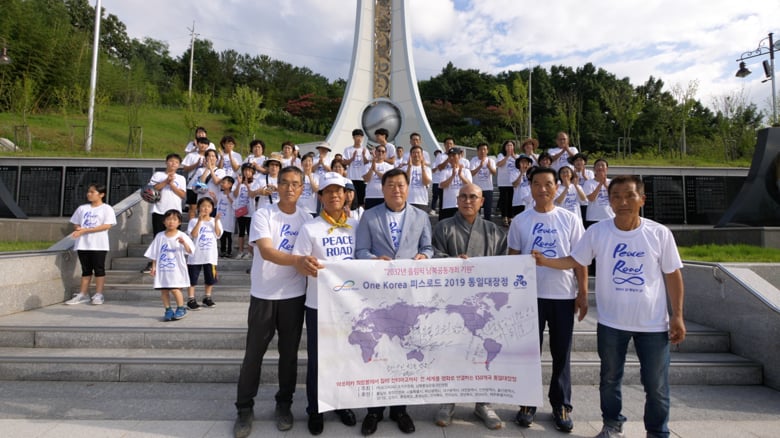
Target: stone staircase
x,y
125,339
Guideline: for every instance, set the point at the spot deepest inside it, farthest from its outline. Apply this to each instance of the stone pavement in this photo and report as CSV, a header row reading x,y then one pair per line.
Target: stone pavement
x,y
86,410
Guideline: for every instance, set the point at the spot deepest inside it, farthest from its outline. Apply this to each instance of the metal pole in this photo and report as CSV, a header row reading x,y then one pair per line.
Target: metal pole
x,y
93,79
772,65
530,74
192,57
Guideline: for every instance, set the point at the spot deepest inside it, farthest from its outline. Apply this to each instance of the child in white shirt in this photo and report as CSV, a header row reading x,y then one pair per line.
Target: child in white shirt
x,y
205,232
169,264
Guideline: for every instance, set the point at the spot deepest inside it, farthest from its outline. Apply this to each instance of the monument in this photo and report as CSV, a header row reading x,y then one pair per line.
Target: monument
x,y
382,87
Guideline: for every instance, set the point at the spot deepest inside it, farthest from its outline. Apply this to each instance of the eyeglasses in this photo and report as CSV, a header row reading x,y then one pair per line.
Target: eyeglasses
x,y
469,197
295,185
381,151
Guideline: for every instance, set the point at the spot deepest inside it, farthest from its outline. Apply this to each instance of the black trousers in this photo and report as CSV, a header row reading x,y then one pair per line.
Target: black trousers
x,y
266,318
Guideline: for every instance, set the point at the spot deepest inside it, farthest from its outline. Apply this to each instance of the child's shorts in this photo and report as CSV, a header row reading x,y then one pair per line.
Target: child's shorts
x,y
209,273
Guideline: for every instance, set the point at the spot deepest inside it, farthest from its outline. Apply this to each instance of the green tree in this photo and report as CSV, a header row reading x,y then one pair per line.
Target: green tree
x,y
513,105
245,108
624,105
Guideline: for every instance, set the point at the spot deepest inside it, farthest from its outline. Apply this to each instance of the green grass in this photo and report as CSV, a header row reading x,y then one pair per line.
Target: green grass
x,y
25,246
164,131
730,253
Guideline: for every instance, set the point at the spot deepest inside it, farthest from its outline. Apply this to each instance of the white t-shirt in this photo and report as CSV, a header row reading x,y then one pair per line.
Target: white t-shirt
x,y
599,209
374,187
308,199
449,197
190,159
292,161
504,174
437,174
521,195
572,200
90,217
260,182
244,200
168,199
483,178
390,151
356,168
227,165
269,280
206,248
226,210
554,234
630,288
418,193
563,160
213,187
171,260
316,240
584,176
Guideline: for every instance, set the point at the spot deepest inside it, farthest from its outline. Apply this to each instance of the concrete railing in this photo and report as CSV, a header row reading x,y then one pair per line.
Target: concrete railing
x,y
34,279
735,298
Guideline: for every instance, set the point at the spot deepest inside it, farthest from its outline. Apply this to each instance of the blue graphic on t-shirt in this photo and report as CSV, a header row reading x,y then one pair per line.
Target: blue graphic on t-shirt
x,y
204,242
395,234
627,267
545,240
91,220
288,238
167,260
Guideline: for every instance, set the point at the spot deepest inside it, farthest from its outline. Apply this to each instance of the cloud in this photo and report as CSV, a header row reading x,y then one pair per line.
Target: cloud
x,y
676,41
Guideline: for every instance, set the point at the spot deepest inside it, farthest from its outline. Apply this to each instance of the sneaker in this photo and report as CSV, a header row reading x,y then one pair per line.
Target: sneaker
x,y
147,269
180,313
610,432
284,417
208,302
192,304
562,419
168,314
78,298
242,428
525,416
444,415
485,412
97,299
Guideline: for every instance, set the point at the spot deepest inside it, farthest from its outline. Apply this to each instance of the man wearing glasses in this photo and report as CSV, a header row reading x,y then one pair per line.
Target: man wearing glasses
x,y
372,175
278,289
466,235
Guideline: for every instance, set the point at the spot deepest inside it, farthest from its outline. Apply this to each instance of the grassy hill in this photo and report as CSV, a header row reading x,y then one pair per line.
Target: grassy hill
x,y
164,131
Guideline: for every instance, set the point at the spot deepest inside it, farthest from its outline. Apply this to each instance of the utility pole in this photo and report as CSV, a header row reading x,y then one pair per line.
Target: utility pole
x,y
193,35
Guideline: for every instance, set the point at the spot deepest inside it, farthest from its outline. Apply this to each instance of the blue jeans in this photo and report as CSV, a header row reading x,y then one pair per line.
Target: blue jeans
x,y
653,352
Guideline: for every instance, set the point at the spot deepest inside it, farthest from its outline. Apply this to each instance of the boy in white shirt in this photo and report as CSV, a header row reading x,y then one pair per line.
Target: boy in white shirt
x,y
226,211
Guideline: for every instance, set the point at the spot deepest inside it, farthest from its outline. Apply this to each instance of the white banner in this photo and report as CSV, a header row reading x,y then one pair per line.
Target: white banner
x,y
428,331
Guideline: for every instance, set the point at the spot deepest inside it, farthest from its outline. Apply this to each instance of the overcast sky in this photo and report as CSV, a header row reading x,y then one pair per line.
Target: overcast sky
x,y
676,40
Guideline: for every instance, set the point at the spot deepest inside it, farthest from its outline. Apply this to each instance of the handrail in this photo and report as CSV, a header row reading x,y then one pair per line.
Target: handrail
x,y
718,267
120,208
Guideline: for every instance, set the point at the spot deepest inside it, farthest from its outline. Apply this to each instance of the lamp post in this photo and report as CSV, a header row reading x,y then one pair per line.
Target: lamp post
x,y
93,80
765,46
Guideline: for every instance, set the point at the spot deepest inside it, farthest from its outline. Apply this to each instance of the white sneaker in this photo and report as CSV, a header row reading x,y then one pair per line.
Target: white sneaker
x,y
78,299
444,415
97,299
485,412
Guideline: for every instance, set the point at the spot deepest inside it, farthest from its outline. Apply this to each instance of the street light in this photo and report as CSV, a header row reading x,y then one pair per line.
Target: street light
x,y
765,46
5,59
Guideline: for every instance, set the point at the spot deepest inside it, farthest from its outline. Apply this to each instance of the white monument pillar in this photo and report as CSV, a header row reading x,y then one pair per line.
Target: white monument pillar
x,y
382,88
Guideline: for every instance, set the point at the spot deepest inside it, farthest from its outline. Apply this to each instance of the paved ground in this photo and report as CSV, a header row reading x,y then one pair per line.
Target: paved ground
x,y
86,410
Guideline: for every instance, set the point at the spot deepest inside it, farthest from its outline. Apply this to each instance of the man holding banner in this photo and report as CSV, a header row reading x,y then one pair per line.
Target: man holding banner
x,y
552,231
393,230
331,236
468,235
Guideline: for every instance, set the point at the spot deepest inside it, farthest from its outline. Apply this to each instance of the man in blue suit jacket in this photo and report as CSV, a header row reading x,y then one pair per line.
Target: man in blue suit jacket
x,y
393,230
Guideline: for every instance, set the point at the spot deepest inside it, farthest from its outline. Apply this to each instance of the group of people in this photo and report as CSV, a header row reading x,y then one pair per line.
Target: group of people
x,y
638,270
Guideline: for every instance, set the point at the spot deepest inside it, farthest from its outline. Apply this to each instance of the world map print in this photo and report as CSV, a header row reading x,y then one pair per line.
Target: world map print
x,y
420,328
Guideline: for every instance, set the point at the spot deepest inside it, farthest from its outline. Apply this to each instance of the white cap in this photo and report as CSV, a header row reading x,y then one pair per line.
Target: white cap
x,y
332,179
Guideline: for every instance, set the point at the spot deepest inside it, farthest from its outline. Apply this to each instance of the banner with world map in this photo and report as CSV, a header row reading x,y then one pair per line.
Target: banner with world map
x,y
428,331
